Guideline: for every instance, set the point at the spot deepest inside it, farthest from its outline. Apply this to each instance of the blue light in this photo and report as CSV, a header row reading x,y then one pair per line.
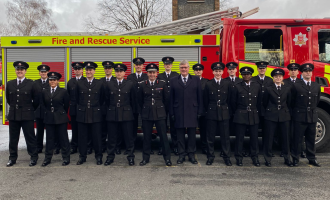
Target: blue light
x,y
197,40
14,42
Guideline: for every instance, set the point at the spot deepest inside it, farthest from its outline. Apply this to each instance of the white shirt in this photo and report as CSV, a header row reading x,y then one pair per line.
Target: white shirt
x,y
21,80
90,81
138,74
43,80
168,74
106,78
293,79
277,86
307,82
185,77
53,89
232,78
247,84
152,82
118,81
78,78
261,78
216,81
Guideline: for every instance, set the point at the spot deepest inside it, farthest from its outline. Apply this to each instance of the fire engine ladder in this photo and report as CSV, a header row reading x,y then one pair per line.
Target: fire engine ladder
x,y
195,23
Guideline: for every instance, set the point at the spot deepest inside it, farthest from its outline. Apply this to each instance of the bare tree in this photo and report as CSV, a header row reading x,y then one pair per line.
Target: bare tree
x,y
29,17
225,4
125,15
4,30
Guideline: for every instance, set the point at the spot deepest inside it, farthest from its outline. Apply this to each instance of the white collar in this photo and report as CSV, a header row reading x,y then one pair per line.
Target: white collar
x,y
90,80
262,78
152,82
43,79
21,79
78,78
310,82
277,85
106,78
247,84
167,73
292,79
137,74
217,80
52,89
118,81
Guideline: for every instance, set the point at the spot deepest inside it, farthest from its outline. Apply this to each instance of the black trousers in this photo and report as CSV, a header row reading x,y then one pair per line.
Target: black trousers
x,y
191,149
303,145
74,127
308,130
270,129
262,127
213,127
62,134
40,133
174,137
119,138
126,128
240,130
147,126
104,134
95,130
30,138
202,132
135,125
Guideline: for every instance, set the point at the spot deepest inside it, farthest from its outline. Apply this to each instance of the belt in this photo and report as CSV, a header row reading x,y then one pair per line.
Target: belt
x,y
308,108
248,108
279,107
118,105
52,109
218,103
88,105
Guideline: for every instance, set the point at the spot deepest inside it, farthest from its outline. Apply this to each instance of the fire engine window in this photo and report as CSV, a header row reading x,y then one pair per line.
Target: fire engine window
x,y
324,45
264,45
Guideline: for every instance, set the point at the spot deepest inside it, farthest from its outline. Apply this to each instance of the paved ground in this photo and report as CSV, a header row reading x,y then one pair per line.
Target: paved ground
x,y
156,181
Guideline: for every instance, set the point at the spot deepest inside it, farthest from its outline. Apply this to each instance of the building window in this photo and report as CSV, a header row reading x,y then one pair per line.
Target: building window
x,y
264,45
324,45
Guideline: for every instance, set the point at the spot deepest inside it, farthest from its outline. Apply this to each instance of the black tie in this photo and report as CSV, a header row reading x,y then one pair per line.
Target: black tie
x,y
184,81
19,82
233,80
262,81
218,82
53,90
119,83
293,81
278,88
167,75
152,83
90,82
308,85
139,76
43,82
108,79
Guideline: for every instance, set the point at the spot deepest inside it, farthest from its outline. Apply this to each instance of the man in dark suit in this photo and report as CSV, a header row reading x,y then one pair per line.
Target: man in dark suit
x,y
89,100
264,81
108,67
71,88
306,96
40,85
153,100
232,70
20,95
216,99
293,72
198,71
246,102
185,109
138,76
166,76
121,104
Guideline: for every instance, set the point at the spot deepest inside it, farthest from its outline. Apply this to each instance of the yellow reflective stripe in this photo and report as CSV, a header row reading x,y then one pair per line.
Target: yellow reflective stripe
x,y
327,69
254,67
327,76
3,83
68,64
322,89
31,72
175,67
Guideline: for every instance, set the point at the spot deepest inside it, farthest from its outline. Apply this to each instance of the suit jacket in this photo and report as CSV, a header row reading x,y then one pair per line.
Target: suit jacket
x,y
56,106
304,102
277,103
105,83
246,103
39,87
186,101
153,100
21,99
89,99
266,83
71,87
216,100
121,101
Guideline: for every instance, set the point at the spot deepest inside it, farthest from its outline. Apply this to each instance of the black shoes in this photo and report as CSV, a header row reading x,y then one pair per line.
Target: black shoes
x,y
45,163
288,163
73,151
221,153
160,152
99,161
315,163
131,162
228,162
57,151
180,160
81,161
65,162
256,162
168,162
193,161
89,151
118,151
209,161
295,162
239,163
33,163
303,154
11,163
144,162
268,164
108,162
176,152
246,154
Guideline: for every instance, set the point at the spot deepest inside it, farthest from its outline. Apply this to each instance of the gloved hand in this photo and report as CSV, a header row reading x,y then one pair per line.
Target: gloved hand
x,y
173,118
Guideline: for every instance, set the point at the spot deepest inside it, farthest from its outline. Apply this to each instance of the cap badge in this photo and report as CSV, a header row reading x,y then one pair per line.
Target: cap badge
x,y
277,72
108,63
77,64
53,74
19,64
168,58
246,69
218,65
88,64
293,65
138,59
262,63
44,67
231,64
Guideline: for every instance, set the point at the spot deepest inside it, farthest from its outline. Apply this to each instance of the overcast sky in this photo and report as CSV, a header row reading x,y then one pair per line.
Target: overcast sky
x,y
69,14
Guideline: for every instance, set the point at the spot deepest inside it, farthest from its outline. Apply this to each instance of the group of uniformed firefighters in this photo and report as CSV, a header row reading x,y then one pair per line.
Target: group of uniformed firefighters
x,y
104,112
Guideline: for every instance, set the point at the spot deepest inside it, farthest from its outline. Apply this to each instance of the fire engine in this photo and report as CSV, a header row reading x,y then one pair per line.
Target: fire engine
x,y
245,41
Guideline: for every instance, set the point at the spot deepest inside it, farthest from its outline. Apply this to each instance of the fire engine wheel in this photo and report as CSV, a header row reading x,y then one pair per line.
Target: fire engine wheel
x,y
322,137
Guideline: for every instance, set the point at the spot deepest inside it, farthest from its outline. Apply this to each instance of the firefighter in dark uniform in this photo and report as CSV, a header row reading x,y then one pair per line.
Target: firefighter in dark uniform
x,y
264,81
198,71
71,88
293,72
121,104
40,85
232,70
20,95
108,67
153,99
216,99
246,102
306,96
89,100
137,77
277,102
56,103
166,76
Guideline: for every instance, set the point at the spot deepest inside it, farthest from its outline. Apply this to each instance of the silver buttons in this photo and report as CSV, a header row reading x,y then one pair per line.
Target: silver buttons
x,y
90,89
